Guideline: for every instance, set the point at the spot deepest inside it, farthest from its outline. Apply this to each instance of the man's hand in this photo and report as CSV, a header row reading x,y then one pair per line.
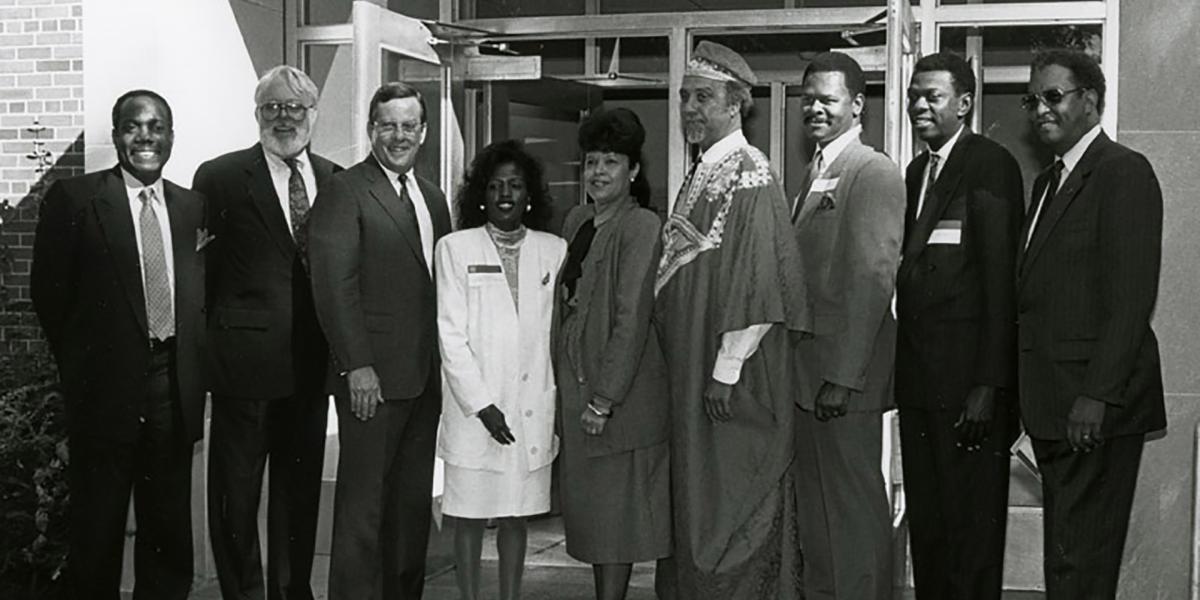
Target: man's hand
x,y
493,421
1083,424
365,396
832,401
717,401
975,421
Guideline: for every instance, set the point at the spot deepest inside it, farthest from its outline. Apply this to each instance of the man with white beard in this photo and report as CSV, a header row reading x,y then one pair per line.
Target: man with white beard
x,y
267,355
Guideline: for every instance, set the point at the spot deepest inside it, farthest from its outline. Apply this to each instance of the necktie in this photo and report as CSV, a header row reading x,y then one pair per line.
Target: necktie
x,y
815,166
1044,198
934,159
297,202
424,221
160,319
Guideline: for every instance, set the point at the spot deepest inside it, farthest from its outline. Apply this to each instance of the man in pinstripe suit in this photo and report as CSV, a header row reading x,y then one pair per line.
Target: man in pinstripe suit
x,y
1090,381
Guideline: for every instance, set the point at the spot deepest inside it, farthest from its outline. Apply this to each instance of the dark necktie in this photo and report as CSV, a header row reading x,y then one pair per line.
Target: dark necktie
x,y
297,204
929,181
160,315
1044,198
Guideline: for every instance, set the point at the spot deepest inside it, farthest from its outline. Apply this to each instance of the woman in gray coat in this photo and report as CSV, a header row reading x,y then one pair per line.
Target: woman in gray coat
x,y
610,371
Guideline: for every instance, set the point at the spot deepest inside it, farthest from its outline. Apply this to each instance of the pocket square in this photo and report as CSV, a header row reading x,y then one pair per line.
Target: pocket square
x,y
203,238
826,203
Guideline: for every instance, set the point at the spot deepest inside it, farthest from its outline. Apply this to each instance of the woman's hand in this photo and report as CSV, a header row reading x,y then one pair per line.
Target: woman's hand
x,y
593,424
493,420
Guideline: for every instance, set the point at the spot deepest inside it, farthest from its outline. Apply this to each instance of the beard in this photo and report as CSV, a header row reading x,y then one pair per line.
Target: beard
x,y
285,146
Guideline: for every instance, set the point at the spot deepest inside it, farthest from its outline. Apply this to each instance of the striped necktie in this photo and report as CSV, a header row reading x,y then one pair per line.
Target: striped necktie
x,y
160,314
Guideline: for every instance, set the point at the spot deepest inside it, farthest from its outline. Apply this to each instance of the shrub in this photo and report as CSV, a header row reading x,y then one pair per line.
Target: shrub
x,y
33,486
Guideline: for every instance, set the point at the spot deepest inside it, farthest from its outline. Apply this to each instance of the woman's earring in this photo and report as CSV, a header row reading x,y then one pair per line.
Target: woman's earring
x,y
528,207
631,180
482,208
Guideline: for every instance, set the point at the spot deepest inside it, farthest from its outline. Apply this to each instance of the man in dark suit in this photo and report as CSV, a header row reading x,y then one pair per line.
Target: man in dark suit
x,y
371,239
267,354
849,221
118,285
1087,280
956,338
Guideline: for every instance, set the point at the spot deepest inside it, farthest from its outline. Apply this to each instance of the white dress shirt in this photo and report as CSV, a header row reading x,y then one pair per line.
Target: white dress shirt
x,y
1070,159
133,190
943,155
281,174
831,151
736,346
424,219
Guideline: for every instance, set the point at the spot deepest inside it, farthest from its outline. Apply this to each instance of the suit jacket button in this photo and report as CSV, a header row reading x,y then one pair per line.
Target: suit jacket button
x,y
529,413
533,450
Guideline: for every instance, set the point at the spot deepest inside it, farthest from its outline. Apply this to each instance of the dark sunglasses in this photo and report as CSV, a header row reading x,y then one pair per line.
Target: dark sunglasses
x,y
1050,97
271,110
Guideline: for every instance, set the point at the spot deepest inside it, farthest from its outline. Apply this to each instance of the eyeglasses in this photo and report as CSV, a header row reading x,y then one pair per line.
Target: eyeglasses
x,y
390,128
1050,97
294,110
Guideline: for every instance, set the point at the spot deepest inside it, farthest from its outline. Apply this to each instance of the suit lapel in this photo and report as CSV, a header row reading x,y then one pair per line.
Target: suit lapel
x,y
939,197
1057,207
116,221
183,249
262,194
401,213
529,277
834,172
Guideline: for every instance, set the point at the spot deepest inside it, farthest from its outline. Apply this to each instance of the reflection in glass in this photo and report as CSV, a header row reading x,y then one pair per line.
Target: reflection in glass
x,y
332,69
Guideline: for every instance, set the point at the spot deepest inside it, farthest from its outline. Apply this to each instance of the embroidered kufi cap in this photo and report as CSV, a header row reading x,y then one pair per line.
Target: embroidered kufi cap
x,y
714,61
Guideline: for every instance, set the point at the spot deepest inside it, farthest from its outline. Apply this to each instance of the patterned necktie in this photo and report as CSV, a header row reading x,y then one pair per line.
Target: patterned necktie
x,y
934,159
160,318
297,201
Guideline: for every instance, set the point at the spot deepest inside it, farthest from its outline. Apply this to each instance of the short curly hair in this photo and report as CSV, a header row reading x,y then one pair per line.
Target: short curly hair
x,y
620,131
1084,69
958,68
473,193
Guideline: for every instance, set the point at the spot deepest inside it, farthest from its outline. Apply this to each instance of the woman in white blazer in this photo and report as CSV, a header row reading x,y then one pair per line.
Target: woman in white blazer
x,y
495,286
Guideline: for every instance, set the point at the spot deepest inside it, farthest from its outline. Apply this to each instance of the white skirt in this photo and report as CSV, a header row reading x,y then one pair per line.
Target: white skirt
x,y
479,494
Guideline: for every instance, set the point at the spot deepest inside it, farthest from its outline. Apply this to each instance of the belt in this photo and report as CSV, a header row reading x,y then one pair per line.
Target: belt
x,y
157,346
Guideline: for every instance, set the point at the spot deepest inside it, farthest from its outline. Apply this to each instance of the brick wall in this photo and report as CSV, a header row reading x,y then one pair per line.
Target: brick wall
x,y
41,113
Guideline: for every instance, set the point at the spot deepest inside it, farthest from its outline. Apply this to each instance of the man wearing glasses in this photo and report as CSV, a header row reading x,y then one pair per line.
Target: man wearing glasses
x,y
267,356
371,240
1090,381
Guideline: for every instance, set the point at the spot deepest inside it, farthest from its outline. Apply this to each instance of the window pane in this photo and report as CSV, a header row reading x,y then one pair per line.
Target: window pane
x,y
1002,1
559,57
783,56
638,54
327,12
1015,46
495,9
331,67
417,9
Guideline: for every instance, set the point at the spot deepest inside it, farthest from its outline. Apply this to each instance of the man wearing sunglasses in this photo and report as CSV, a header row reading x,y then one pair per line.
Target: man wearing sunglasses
x,y
1090,381
955,363
268,357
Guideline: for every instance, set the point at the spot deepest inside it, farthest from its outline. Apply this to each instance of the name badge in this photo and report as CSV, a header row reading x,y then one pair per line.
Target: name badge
x,y
823,184
947,233
483,269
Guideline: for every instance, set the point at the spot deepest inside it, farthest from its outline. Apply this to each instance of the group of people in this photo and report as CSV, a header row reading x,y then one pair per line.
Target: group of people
x,y
709,388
